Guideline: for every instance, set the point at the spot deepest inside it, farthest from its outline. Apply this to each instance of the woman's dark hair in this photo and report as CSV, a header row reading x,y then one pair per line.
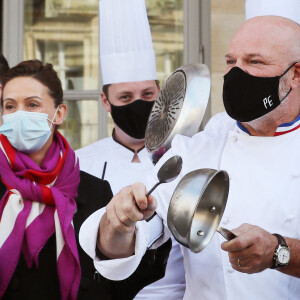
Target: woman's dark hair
x,y
3,66
106,86
44,73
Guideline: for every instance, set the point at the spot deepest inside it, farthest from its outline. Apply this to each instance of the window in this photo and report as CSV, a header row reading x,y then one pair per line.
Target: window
x,y
65,33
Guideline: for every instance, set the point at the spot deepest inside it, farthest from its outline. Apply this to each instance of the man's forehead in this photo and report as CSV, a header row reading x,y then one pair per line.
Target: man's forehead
x,y
266,31
254,42
251,48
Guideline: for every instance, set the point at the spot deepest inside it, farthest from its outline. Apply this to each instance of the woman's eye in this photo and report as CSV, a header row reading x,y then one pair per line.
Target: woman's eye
x,y
32,105
9,106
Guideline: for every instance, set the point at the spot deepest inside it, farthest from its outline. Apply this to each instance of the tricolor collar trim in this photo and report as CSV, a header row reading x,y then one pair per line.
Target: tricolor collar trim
x,y
282,129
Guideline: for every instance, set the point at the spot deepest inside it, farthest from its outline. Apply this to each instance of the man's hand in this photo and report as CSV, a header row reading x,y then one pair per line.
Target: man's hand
x,y
116,236
252,250
129,206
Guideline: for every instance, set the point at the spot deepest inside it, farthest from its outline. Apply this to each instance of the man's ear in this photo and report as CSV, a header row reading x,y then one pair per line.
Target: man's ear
x,y
60,115
105,102
296,76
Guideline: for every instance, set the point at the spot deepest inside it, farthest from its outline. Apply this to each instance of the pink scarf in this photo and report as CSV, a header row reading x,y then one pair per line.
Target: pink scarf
x,y
38,203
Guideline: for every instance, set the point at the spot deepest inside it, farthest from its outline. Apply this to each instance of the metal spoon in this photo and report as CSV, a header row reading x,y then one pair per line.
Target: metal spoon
x,y
168,171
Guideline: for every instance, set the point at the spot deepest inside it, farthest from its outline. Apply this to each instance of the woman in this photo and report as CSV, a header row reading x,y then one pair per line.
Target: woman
x,y
40,256
40,174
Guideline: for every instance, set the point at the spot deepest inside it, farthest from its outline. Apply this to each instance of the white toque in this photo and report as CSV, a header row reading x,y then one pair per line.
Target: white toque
x,y
284,8
126,50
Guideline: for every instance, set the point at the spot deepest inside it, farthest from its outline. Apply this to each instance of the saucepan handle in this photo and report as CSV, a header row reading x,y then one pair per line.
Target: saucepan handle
x,y
226,233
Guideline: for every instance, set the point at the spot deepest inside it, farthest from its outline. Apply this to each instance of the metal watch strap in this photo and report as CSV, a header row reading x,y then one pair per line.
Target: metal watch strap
x,y
281,242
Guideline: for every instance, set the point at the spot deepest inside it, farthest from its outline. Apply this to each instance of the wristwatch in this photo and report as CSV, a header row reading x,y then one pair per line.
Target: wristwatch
x,y
282,254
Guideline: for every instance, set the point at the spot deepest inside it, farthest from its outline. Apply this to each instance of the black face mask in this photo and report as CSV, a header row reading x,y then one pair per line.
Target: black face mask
x,y
132,118
247,97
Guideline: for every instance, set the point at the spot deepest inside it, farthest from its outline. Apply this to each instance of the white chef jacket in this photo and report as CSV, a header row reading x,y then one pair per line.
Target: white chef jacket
x,y
264,190
120,172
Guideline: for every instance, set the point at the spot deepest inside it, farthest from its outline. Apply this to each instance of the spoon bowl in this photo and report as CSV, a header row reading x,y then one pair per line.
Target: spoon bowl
x,y
168,171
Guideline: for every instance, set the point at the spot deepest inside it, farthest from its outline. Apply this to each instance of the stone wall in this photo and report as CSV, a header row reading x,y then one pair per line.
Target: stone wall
x,y
226,17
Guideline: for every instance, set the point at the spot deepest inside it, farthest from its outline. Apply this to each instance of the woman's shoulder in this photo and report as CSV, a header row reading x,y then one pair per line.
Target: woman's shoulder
x,y
92,188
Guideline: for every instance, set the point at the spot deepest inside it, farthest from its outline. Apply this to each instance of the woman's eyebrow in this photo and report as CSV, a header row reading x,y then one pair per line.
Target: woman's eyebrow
x,y
7,99
35,97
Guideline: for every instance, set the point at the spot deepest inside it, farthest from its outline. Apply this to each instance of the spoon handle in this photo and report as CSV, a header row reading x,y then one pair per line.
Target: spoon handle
x,y
153,188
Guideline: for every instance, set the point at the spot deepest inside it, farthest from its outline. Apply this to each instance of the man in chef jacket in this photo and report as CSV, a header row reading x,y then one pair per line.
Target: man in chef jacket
x,y
261,155
130,87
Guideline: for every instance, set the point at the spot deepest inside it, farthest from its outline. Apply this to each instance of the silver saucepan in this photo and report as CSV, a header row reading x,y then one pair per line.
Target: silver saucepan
x,y
178,109
197,206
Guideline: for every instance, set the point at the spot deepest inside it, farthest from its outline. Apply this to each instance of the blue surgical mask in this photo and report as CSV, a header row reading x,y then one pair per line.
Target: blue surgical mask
x,y
27,131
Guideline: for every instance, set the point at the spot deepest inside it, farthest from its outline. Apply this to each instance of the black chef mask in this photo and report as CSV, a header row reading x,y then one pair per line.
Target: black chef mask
x,y
247,97
132,118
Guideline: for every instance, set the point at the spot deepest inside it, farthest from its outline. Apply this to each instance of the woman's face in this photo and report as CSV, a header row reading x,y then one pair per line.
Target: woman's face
x,y
28,94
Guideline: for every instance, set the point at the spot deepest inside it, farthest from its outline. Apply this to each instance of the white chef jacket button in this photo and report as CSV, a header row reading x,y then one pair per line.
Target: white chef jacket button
x,y
234,139
230,270
295,174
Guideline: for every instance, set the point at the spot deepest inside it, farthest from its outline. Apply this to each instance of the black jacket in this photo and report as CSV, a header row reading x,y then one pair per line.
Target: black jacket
x,y
42,283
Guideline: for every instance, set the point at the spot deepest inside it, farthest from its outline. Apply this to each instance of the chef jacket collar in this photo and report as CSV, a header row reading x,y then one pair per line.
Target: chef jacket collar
x,y
281,129
132,150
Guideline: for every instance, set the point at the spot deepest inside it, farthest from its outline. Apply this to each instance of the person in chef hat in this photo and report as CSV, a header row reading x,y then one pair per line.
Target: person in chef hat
x,y
284,8
260,155
130,87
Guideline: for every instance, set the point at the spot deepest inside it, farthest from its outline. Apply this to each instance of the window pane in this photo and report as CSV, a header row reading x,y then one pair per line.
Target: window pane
x,y
166,22
65,33
81,125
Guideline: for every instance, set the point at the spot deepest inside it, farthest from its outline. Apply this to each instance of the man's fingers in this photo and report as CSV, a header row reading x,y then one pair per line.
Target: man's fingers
x,y
246,236
129,206
237,244
242,229
139,194
115,220
252,251
240,262
126,208
152,203
132,211
128,213
143,203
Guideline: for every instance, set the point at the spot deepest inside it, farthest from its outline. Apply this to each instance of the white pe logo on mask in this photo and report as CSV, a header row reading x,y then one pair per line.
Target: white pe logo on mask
x,y
268,102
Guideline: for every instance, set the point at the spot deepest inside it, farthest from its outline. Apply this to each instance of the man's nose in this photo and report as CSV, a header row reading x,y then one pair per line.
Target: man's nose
x,y
242,65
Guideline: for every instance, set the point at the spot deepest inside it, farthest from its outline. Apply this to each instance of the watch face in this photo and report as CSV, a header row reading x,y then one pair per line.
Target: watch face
x,y
283,256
